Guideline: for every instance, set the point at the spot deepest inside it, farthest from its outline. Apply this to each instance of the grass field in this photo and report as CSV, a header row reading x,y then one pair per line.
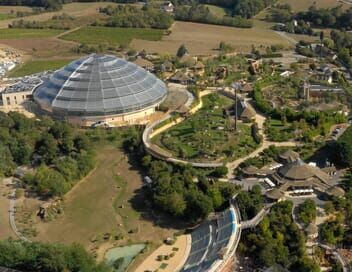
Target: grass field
x,y
203,39
111,35
19,33
300,5
36,66
217,11
279,131
110,201
208,135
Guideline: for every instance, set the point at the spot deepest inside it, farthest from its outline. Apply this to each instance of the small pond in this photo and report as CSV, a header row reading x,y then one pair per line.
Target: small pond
x,y
128,253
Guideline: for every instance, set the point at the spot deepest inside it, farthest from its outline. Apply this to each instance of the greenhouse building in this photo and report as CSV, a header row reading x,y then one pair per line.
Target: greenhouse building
x,y
101,88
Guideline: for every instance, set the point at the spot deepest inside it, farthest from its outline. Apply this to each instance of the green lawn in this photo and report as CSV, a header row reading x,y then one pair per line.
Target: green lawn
x,y
22,33
112,35
217,11
278,131
4,16
208,135
36,66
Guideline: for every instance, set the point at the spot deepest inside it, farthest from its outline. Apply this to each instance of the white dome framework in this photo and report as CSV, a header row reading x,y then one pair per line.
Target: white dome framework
x,y
100,86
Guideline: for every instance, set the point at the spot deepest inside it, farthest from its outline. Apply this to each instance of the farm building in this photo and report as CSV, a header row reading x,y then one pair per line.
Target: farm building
x,y
101,88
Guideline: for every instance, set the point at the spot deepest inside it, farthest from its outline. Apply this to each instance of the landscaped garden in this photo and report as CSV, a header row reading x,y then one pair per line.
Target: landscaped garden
x,y
209,134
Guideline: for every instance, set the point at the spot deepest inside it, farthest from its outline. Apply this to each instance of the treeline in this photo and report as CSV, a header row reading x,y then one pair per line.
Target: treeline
x,y
329,17
244,8
49,5
202,14
63,21
277,240
36,256
60,155
183,192
130,16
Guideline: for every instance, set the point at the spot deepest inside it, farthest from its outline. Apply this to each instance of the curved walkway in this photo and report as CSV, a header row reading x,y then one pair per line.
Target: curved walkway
x,y
150,131
12,211
160,153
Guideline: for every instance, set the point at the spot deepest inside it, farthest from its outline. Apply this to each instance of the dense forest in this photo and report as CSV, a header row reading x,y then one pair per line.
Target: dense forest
x,y
36,256
130,16
277,239
175,191
59,154
202,14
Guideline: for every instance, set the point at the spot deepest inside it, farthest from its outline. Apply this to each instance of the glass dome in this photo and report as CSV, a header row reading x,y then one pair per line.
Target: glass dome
x,y
99,85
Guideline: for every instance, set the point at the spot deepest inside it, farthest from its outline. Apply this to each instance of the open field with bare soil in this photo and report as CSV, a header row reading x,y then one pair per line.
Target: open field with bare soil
x,y
203,39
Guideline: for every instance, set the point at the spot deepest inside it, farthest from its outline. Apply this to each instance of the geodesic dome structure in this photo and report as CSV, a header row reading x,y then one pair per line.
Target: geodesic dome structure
x,y
99,85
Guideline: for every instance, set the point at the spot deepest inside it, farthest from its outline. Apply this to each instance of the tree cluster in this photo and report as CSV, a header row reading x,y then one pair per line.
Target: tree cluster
x,y
202,14
130,16
175,190
49,5
327,17
277,240
307,211
250,203
63,155
36,256
249,8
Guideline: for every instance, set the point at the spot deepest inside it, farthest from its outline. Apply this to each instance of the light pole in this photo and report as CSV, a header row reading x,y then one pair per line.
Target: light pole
x,y
236,86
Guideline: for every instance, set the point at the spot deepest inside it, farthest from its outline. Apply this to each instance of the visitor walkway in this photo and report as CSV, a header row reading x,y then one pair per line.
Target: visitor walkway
x,y
252,223
12,211
153,129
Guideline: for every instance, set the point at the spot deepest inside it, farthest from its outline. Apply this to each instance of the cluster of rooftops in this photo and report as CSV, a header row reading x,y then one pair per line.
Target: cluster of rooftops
x,y
297,177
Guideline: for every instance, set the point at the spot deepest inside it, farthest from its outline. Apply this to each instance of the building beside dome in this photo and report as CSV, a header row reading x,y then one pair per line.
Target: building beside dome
x,y
101,88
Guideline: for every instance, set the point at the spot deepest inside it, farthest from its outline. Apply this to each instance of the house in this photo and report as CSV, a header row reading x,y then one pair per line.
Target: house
x,y
297,178
247,88
146,64
245,111
188,60
168,7
167,66
181,78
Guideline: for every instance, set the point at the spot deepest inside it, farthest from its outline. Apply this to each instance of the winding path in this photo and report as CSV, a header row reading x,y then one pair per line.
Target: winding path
x,y
12,211
152,130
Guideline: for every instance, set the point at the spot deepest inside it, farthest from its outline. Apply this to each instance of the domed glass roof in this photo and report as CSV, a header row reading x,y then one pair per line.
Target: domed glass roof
x,y
99,85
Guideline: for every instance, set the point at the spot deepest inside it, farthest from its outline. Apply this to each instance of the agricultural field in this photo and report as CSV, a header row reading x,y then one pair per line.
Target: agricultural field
x,y
73,9
35,66
22,33
204,39
112,36
209,134
300,5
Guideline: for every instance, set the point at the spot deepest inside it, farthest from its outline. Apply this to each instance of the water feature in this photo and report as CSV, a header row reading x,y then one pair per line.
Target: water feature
x,y
128,253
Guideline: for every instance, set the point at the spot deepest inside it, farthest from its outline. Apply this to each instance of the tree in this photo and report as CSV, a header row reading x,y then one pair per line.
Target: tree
x,y
305,265
118,263
181,51
7,165
37,256
307,211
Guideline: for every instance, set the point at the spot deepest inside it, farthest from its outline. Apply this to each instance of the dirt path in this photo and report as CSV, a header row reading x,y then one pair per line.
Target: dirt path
x,y
260,120
5,228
